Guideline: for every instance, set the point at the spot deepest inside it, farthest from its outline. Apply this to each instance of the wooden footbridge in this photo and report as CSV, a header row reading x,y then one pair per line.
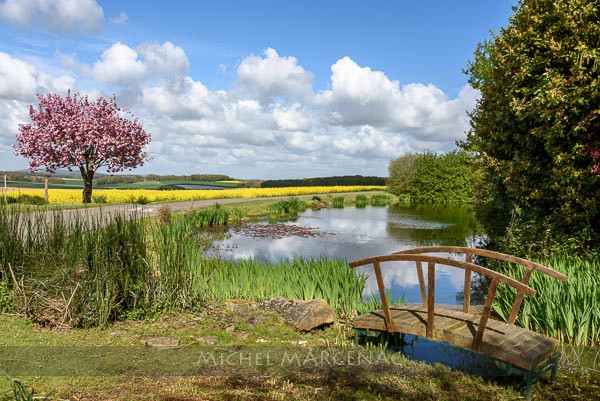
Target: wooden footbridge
x,y
525,352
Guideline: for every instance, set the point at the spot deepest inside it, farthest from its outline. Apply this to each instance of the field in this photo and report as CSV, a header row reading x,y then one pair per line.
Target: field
x,y
116,196
77,183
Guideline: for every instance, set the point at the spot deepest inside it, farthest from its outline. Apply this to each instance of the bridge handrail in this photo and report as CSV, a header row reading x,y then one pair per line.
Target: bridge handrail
x,y
469,252
429,300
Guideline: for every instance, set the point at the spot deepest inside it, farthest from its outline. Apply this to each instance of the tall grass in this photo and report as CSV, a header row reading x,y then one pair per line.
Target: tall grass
x,y
338,202
88,271
216,216
380,200
286,208
85,271
324,278
568,311
361,201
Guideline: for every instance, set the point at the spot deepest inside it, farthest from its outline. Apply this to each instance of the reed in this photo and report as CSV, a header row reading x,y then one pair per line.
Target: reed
x,y
216,216
338,202
287,207
298,278
567,311
380,200
361,201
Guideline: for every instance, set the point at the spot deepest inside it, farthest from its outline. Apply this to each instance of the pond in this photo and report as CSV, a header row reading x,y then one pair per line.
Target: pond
x,y
355,233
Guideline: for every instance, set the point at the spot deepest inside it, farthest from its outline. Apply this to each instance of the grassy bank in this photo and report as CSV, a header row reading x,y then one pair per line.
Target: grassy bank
x,y
245,329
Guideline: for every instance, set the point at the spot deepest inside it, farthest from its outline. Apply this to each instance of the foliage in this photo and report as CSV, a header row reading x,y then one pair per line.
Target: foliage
x,y
287,207
402,173
119,179
567,311
324,181
380,200
338,202
431,178
535,128
6,301
215,216
298,278
361,201
26,199
19,391
88,272
67,196
74,132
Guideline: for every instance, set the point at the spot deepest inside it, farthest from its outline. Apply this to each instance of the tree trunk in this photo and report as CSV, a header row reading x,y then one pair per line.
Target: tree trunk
x,y
88,177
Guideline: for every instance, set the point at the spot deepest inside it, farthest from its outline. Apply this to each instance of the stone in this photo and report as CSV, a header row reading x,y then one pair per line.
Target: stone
x,y
301,315
161,342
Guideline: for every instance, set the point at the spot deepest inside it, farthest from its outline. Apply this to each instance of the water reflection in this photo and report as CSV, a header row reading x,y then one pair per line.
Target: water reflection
x,y
356,233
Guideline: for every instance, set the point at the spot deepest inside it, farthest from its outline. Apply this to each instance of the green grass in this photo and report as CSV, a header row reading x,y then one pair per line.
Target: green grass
x,y
567,311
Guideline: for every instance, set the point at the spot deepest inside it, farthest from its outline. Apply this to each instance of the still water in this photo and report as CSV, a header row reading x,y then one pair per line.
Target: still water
x,y
356,233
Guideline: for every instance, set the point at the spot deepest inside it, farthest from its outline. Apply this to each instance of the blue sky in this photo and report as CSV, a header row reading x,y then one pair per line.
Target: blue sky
x,y
267,89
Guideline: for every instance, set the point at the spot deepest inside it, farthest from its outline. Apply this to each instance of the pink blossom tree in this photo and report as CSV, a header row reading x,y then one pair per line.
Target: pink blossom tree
x,y
74,132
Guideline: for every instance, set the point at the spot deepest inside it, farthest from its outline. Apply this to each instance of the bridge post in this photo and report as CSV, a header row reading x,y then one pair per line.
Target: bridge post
x,y
430,298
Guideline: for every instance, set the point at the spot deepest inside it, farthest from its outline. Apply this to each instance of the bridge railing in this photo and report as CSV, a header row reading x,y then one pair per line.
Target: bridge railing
x,y
428,297
469,252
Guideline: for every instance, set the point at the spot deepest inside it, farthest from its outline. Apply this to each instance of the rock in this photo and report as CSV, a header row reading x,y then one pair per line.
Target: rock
x,y
161,342
211,340
261,340
302,315
229,329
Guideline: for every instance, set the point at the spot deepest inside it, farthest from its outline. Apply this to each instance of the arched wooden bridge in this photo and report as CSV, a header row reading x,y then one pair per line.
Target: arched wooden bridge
x,y
529,353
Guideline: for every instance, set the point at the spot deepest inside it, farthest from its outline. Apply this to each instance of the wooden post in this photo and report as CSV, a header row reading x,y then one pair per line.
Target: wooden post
x,y
467,289
389,324
5,190
519,298
430,298
421,283
192,206
487,308
46,189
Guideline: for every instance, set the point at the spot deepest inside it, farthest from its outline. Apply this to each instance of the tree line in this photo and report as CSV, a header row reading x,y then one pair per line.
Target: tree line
x,y
325,181
130,179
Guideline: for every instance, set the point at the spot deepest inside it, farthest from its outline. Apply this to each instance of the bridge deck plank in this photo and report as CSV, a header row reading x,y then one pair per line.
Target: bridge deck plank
x,y
523,348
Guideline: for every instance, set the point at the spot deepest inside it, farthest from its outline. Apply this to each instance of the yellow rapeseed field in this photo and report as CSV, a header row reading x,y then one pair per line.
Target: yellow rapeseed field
x,y
73,196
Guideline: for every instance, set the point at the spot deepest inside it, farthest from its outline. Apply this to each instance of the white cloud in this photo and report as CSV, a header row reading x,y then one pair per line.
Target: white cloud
x,y
272,77
121,19
360,96
166,60
21,81
118,65
270,125
55,15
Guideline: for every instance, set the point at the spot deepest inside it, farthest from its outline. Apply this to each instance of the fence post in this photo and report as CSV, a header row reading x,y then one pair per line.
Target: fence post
x,y
5,190
46,189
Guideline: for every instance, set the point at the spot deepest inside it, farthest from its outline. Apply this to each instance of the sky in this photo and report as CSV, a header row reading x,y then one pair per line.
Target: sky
x,y
255,89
